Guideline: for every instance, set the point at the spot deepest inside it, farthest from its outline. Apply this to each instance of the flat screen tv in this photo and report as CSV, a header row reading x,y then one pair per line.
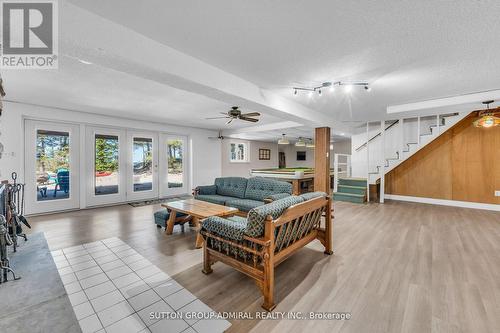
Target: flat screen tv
x,y
301,156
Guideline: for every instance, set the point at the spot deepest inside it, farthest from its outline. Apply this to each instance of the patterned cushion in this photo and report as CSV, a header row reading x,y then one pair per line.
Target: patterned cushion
x,y
231,186
244,204
257,216
227,228
260,188
216,199
312,195
162,216
207,189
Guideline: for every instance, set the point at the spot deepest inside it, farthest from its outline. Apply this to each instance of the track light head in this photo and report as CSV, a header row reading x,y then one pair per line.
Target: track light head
x,y
368,88
319,92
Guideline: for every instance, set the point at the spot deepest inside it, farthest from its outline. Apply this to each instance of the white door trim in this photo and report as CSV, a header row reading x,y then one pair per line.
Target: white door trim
x,y
148,194
33,206
89,174
165,191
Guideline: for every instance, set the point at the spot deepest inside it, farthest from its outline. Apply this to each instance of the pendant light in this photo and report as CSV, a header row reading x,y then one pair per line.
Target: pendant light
x,y
283,140
488,118
300,143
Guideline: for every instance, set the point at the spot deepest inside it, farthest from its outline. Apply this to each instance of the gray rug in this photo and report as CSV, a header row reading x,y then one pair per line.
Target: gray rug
x,y
38,301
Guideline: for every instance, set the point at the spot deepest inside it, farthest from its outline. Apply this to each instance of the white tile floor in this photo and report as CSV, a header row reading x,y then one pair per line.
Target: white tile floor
x,y
112,288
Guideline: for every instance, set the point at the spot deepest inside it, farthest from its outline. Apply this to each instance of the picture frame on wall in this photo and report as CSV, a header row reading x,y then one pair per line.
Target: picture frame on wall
x,y
264,154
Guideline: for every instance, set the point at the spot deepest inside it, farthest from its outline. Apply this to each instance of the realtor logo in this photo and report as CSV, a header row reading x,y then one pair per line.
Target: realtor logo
x,y
29,34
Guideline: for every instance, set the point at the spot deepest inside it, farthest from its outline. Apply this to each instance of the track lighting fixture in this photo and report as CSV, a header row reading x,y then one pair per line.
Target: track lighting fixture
x,y
348,86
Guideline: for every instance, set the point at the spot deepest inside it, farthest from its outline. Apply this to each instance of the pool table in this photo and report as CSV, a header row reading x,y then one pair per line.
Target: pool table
x,y
302,179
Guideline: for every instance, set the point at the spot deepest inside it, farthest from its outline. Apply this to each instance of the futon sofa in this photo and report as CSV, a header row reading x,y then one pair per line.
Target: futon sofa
x,y
270,234
243,193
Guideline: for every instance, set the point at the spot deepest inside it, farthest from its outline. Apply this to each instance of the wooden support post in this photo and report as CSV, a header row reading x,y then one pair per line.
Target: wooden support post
x,y
367,162
322,160
322,179
382,175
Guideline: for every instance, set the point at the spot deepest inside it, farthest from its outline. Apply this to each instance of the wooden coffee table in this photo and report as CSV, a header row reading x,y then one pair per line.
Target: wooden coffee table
x,y
198,210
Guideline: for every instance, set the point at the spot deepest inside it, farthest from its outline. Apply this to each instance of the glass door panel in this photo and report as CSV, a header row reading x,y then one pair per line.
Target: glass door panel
x,y
173,165
105,166
51,166
143,170
142,160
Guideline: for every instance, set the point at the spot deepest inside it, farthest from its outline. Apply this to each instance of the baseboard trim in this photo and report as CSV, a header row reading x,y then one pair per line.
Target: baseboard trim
x,y
443,202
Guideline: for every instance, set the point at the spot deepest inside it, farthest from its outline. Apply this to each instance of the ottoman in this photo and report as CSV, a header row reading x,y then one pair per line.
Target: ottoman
x,y
163,215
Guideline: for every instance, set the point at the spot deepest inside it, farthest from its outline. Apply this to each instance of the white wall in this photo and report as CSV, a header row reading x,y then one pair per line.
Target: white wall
x,y
205,165
340,147
243,169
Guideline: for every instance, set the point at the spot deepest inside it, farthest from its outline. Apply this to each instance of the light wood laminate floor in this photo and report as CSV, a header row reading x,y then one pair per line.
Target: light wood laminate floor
x,y
398,267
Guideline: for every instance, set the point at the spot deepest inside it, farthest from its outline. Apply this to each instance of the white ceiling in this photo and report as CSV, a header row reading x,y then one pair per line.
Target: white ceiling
x,y
96,89
408,51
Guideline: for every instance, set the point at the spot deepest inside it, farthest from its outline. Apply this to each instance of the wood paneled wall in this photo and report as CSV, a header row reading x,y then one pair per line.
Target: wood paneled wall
x,y
462,164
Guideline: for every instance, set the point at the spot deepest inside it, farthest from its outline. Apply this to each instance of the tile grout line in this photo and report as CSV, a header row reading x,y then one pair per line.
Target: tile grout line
x,y
85,251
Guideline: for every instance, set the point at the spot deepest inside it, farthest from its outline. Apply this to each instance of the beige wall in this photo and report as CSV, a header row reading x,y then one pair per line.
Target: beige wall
x,y
243,169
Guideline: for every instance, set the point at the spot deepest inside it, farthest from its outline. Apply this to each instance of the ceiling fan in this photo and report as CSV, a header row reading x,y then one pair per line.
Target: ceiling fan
x,y
235,113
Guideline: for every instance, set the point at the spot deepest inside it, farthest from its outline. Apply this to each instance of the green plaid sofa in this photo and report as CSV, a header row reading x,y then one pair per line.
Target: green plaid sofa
x,y
242,193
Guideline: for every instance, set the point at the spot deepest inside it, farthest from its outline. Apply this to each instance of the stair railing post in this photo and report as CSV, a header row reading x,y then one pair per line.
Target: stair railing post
x,y
335,172
349,166
367,162
382,173
438,125
418,131
402,146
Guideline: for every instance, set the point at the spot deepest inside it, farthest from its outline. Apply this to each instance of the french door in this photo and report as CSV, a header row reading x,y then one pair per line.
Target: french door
x,y
106,165
142,178
52,158
119,165
173,165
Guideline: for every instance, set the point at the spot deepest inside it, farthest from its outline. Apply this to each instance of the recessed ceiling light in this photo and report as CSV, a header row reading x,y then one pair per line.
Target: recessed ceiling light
x,y
85,62
348,88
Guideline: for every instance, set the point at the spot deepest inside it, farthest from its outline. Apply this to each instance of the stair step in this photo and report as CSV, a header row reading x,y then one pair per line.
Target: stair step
x,y
352,181
361,190
349,197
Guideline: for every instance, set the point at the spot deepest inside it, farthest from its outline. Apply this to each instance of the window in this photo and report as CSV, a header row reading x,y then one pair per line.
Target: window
x,y
238,152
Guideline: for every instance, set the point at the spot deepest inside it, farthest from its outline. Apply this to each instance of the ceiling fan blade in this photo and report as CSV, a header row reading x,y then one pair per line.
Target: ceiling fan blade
x,y
217,118
224,113
253,120
251,114
229,121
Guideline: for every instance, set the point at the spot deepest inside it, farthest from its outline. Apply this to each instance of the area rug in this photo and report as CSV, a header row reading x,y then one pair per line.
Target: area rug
x,y
158,201
38,301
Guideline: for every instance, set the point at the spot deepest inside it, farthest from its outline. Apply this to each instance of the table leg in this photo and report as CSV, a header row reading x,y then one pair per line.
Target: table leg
x,y
295,187
199,238
170,222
